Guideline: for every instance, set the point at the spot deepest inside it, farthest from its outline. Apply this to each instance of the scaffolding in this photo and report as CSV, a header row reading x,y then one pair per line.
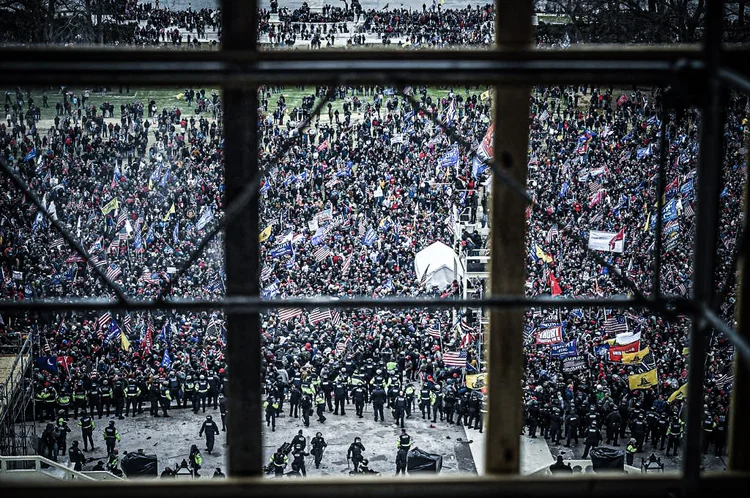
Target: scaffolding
x,y
17,429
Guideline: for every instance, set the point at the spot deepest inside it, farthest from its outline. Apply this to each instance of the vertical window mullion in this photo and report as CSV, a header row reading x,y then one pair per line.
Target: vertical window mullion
x,y
739,428
508,240
239,19
706,238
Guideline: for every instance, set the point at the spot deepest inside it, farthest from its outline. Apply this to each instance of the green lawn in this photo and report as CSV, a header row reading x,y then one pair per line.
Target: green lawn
x,y
163,97
168,97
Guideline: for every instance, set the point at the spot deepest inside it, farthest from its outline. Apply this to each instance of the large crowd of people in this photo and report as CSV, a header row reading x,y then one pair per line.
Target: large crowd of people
x,y
368,184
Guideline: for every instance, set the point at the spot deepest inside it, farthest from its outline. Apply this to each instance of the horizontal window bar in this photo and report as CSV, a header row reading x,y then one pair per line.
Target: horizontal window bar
x,y
251,304
611,486
239,69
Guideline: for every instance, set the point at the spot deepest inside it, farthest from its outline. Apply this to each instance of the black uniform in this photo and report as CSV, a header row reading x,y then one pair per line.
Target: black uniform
x,y
571,427
593,436
87,430
341,397
76,457
613,421
359,396
378,401
400,409
318,445
211,430
295,396
355,454
424,401
298,461
307,409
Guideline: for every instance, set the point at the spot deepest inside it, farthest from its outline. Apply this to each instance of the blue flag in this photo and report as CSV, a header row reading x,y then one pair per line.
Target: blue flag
x,y
370,237
669,212
282,250
114,331
150,235
31,155
166,362
450,158
564,349
564,189
48,363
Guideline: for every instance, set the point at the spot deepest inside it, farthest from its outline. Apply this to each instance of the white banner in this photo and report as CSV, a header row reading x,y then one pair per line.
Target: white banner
x,y
602,241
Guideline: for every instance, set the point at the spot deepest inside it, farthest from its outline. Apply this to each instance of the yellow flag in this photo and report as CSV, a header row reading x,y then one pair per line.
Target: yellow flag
x,y
637,357
170,212
110,206
124,342
679,394
485,95
150,184
644,380
543,255
685,351
648,220
265,233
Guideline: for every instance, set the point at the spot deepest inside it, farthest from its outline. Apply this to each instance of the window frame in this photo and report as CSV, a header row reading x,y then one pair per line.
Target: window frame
x,y
513,65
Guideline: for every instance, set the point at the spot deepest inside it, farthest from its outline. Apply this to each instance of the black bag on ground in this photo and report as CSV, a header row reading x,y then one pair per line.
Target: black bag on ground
x,y
134,464
607,459
421,461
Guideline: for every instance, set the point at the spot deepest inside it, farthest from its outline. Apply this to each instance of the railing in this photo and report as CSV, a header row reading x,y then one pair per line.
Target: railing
x,y
37,462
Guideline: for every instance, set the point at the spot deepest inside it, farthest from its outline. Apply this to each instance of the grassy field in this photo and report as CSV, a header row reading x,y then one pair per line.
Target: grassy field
x,y
167,98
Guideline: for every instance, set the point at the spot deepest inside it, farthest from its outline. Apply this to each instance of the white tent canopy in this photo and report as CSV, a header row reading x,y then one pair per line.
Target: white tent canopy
x,y
440,263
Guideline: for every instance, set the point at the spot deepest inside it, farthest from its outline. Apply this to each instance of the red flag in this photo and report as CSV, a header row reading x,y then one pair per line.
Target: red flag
x,y
324,145
147,341
620,235
554,283
66,361
615,352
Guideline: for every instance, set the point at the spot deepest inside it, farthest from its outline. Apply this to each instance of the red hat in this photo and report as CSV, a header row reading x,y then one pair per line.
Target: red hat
x,y
221,370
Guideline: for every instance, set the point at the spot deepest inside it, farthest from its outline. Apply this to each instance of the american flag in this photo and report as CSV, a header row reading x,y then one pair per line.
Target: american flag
x,y
287,314
127,324
681,289
58,243
121,219
689,210
347,264
553,233
113,271
98,261
47,349
150,278
318,315
265,274
103,320
123,235
335,317
455,359
615,325
434,331
724,380
597,217
114,245
322,253
341,346
75,258
594,187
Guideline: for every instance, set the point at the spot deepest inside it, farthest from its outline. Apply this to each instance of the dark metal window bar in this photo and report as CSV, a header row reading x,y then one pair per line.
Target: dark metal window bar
x,y
240,68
